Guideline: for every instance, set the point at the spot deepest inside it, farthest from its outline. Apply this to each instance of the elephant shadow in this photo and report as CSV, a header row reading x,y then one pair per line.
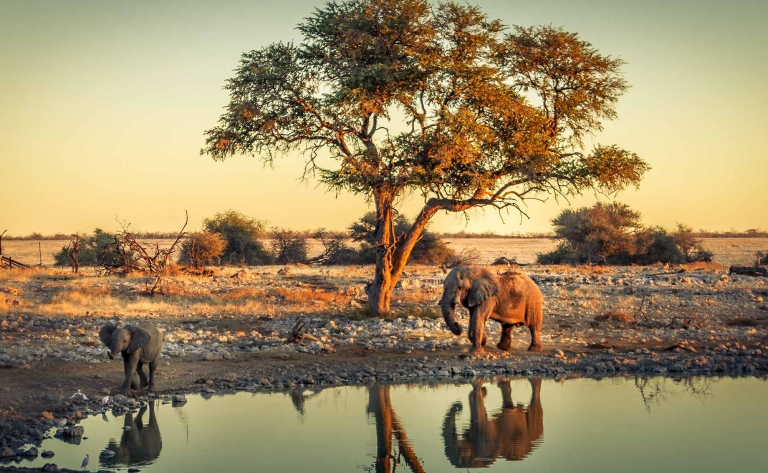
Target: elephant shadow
x,y
512,434
139,445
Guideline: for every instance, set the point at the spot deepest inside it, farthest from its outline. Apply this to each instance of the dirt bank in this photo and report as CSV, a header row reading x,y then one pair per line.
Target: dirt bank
x,y
227,333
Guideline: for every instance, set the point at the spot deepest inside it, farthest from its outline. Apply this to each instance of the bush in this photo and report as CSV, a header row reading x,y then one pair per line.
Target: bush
x,y
202,248
335,250
242,235
613,233
689,245
95,249
465,257
288,246
430,249
607,230
661,247
563,254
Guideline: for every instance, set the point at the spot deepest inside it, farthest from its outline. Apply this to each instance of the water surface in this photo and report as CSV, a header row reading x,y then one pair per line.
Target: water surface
x,y
532,425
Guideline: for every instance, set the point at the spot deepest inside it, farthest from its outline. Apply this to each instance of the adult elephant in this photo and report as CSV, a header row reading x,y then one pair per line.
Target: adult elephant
x,y
139,445
512,299
513,434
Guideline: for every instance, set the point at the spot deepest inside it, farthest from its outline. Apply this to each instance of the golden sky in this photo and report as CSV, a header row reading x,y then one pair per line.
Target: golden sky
x,y
103,105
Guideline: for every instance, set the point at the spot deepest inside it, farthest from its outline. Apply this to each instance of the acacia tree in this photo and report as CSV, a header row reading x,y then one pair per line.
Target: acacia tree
x,y
389,97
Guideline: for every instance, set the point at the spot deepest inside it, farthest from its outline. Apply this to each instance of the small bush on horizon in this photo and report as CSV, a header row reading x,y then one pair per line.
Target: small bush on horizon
x,y
242,234
430,249
202,248
288,246
95,249
613,233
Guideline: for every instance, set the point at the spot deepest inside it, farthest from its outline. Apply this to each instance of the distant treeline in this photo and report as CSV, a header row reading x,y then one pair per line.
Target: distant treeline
x,y
495,235
751,233
66,236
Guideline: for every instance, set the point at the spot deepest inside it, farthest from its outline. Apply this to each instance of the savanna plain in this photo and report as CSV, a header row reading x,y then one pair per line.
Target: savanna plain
x,y
227,329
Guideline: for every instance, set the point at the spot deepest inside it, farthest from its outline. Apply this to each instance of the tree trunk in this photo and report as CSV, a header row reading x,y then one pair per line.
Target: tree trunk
x,y
392,254
380,290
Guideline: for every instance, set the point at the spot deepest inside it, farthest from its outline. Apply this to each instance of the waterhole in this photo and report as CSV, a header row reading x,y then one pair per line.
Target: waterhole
x,y
536,425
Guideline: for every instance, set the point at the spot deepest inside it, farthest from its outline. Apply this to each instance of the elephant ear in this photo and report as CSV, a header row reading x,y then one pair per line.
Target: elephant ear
x,y
139,338
482,288
105,334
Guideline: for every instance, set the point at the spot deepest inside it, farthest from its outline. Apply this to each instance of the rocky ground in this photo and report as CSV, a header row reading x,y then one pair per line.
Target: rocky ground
x,y
226,331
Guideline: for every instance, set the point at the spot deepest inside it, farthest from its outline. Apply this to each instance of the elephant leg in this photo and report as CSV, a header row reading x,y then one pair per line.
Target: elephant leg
x,y
505,343
129,363
535,338
152,368
477,317
142,375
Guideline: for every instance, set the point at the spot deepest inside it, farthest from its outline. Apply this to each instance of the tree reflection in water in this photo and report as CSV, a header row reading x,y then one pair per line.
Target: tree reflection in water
x,y
512,434
388,426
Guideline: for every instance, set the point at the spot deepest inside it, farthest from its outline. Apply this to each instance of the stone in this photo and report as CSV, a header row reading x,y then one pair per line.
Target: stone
x,y
74,431
30,453
7,453
47,454
50,468
107,454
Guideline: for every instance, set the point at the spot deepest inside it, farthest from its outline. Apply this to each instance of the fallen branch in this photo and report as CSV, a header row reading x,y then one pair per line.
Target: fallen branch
x,y
749,271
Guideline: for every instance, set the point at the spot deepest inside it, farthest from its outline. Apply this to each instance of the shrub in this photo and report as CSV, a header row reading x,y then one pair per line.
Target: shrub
x,y
430,249
613,233
95,249
689,245
563,254
465,257
604,229
335,250
202,248
288,246
660,247
242,235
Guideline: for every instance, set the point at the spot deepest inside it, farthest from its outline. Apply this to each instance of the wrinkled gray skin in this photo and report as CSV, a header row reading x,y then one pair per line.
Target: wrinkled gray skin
x,y
512,299
138,345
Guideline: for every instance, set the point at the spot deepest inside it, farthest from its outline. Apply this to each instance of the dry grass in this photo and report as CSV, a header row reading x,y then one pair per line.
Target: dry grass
x,y
615,315
702,266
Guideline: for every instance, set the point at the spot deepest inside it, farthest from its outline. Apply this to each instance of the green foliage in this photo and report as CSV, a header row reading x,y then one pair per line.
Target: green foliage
x,y
430,249
437,99
615,234
96,249
202,248
242,235
607,230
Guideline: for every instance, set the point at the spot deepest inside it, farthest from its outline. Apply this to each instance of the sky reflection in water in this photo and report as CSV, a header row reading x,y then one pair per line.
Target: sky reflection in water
x,y
609,425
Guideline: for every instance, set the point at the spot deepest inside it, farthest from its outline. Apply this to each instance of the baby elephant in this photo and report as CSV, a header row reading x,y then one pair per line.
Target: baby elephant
x,y
138,345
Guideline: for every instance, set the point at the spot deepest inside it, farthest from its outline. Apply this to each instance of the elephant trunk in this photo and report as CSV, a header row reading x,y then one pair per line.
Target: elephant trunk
x,y
114,350
448,307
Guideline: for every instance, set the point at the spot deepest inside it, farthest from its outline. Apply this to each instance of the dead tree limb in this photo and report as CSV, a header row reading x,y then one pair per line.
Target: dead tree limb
x,y
749,271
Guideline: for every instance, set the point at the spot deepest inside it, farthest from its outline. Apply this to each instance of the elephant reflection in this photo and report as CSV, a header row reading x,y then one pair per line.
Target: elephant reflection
x,y
513,434
139,445
387,426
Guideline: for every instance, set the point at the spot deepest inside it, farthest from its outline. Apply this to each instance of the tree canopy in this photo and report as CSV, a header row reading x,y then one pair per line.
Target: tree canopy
x,y
390,97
